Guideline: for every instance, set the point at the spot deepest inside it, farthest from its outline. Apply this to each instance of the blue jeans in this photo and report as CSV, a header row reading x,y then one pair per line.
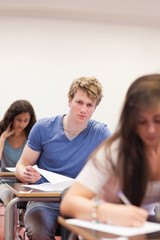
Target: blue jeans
x,y
41,220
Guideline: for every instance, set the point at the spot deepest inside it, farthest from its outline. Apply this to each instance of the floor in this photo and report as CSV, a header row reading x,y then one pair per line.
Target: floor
x,y
2,209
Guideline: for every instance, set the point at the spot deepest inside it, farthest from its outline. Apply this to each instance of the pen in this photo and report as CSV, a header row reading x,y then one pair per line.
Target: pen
x,y
123,198
157,209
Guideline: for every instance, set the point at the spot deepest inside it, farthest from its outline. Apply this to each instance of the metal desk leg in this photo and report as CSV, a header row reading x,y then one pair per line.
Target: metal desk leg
x,y
9,219
72,236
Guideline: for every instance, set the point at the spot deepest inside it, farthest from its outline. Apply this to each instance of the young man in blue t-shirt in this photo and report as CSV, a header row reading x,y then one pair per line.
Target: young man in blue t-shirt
x,y
61,144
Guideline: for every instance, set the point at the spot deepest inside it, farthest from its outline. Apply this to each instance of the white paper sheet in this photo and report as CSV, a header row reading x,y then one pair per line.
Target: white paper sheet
x,y
58,187
57,182
122,231
119,238
11,169
53,177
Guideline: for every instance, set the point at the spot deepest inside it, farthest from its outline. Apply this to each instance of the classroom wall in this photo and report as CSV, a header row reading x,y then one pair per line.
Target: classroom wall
x,y
39,57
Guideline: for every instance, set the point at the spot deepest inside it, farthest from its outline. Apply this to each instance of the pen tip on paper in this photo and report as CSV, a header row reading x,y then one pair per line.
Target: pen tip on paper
x,y
119,192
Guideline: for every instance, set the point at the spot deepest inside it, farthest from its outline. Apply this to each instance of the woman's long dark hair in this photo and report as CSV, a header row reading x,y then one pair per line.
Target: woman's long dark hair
x,y
132,169
16,108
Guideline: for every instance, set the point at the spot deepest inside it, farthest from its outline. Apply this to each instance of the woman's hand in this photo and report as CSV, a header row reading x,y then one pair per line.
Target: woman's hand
x,y
8,132
122,215
31,175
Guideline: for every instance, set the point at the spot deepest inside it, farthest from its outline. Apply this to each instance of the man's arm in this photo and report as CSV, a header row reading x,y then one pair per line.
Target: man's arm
x,y
24,170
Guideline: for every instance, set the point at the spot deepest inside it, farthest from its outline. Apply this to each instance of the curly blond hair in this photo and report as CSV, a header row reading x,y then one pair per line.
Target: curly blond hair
x,y
90,85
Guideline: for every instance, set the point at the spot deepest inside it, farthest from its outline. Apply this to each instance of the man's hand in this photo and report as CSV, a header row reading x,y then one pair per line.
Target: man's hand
x,y
31,175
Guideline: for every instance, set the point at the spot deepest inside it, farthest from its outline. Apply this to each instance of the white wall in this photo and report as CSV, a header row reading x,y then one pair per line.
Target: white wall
x,y
39,57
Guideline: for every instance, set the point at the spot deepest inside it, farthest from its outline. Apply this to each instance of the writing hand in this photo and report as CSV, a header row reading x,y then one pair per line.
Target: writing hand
x,y
123,215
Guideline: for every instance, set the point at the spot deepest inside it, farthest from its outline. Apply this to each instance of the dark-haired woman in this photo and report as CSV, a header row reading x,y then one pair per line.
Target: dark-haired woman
x,y
14,129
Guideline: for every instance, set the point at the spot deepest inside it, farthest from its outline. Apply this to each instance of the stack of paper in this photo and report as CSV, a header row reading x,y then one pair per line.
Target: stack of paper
x,y
57,182
147,227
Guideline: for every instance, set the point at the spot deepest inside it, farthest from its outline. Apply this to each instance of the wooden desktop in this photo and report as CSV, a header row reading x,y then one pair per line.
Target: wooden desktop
x,y
22,194
4,173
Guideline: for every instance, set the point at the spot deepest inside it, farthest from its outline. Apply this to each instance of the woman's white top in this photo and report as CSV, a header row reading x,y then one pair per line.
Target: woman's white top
x,y
102,181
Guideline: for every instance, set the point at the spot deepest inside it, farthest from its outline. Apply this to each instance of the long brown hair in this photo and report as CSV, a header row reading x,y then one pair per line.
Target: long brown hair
x,y
16,108
132,169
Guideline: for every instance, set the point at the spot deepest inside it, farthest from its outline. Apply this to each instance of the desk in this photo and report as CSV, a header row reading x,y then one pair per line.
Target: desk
x,y
22,195
4,173
90,234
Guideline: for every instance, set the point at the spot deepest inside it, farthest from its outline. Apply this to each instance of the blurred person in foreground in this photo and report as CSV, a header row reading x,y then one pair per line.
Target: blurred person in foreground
x,y
128,161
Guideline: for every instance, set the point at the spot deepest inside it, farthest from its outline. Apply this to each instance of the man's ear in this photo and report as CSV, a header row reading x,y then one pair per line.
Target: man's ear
x,y
69,102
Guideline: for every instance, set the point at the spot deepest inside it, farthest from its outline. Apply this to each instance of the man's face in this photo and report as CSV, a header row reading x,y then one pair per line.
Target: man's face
x,y
81,107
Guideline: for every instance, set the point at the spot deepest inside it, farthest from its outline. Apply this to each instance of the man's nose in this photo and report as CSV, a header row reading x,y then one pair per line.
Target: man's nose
x,y
83,108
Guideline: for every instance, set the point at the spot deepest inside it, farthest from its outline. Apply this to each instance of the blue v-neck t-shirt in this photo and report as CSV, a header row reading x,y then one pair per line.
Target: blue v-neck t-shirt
x,y
58,153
